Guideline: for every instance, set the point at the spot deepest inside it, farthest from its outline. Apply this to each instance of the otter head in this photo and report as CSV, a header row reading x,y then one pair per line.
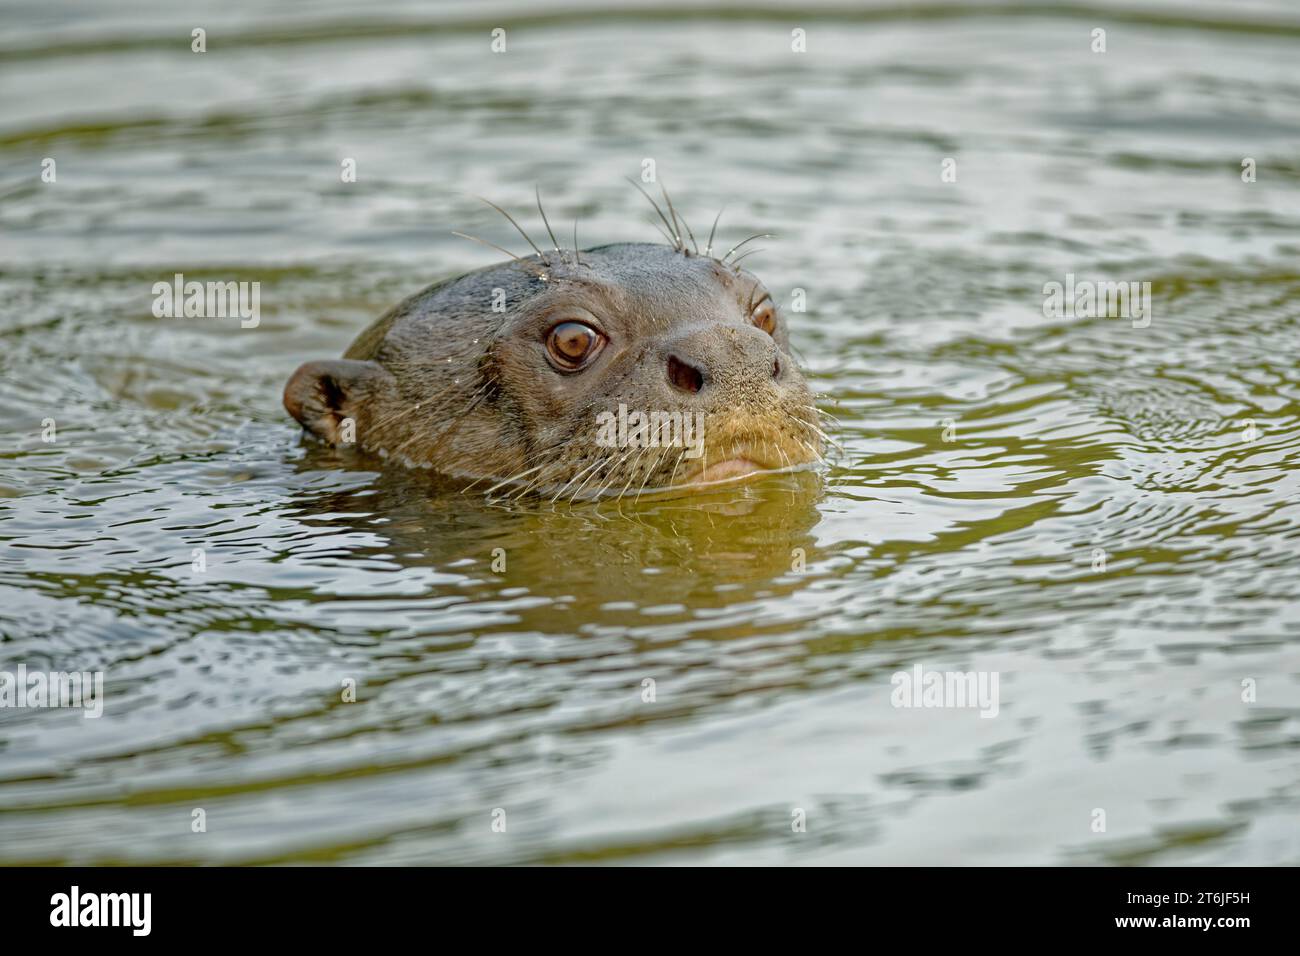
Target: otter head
x,y
626,368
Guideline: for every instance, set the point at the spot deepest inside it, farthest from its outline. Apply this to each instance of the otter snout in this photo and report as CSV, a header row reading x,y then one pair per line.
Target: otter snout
x,y
723,362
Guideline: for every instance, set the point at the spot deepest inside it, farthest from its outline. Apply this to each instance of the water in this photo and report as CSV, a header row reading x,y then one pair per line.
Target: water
x,y
1113,529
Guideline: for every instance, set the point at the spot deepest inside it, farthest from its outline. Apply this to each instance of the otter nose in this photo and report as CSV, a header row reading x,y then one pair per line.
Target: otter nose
x,y
685,376
732,357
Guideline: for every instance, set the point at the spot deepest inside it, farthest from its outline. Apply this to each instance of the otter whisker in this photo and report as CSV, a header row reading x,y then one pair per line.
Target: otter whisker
x,y
513,478
577,256
691,234
543,470
525,487
613,475
822,432
491,473
823,413
556,446
708,249
664,234
541,476
377,428
602,462
475,399
636,465
818,430
677,231
817,412
814,428
760,235
651,201
749,253
476,396
473,483
676,465
537,190
784,457
668,199
511,219
650,471
632,472
524,262
618,499
811,450
560,493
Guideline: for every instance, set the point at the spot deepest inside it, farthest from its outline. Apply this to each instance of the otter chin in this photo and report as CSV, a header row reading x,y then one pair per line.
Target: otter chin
x,y
726,470
616,370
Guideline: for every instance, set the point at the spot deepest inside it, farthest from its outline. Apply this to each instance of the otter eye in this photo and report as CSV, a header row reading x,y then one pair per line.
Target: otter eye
x,y
764,316
573,344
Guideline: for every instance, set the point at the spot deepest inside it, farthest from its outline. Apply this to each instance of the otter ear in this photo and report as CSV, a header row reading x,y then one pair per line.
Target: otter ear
x,y
321,395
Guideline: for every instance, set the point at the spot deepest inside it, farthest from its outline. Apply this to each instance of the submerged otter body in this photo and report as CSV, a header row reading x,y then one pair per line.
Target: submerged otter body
x,y
623,368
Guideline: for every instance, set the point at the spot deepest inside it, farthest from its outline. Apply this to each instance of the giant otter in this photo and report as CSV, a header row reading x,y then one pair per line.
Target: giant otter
x,y
540,375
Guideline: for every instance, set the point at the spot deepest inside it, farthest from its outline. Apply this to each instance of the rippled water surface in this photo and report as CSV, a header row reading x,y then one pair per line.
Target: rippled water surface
x,y
1114,528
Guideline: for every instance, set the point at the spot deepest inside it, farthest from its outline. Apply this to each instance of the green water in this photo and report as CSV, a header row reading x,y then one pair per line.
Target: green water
x,y
1104,515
